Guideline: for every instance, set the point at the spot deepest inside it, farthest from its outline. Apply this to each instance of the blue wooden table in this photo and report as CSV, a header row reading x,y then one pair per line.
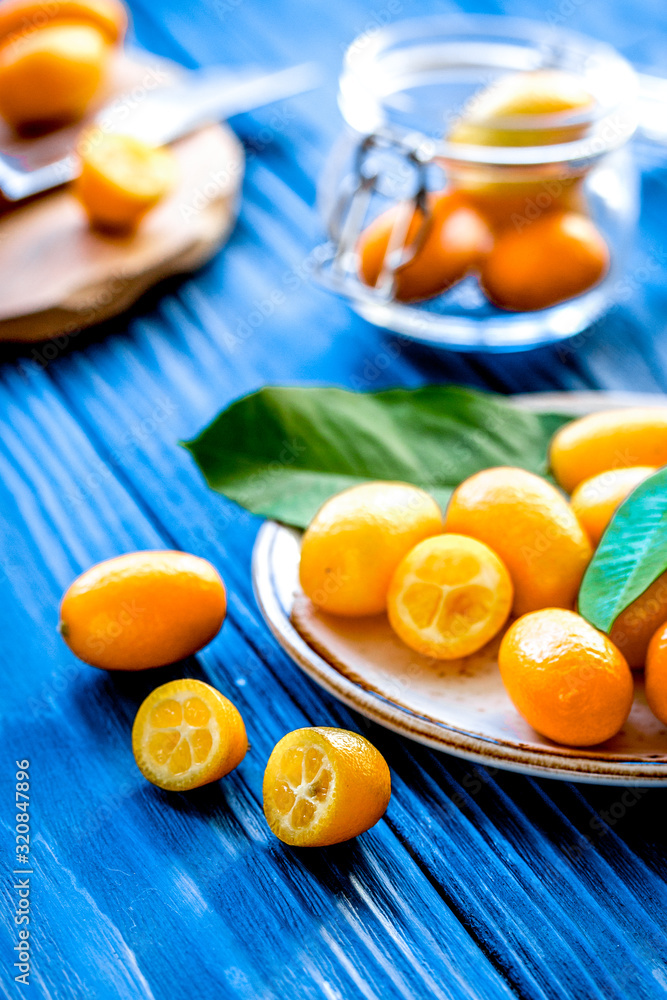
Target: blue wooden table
x,y
476,884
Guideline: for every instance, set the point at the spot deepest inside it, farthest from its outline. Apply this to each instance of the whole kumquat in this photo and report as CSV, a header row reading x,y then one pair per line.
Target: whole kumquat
x,y
547,261
54,58
143,609
531,527
535,108
566,679
610,439
596,500
635,626
50,76
656,674
442,246
356,540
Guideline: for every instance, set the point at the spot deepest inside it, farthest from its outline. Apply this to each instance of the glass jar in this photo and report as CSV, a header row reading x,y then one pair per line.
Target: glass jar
x,y
401,90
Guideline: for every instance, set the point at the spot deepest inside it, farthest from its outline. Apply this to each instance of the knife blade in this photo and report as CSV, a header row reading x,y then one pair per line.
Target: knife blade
x,y
166,114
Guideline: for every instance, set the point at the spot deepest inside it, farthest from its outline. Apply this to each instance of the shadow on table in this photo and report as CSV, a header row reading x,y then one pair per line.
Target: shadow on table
x,y
210,800
580,826
333,867
602,355
44,352
126,689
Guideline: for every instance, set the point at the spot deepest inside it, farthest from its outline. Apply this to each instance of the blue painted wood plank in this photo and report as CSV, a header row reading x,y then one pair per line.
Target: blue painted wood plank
x,y
79,855
476,885
99,398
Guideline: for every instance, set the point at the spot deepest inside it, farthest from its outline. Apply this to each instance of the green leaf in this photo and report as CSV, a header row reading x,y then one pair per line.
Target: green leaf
x,y
631,555
281,452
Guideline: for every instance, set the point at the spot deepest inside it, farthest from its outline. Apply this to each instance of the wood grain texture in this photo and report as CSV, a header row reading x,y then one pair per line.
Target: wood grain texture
x,y
476,884
58,275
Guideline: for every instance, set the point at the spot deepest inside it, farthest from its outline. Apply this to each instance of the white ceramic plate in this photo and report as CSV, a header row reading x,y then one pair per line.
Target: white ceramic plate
x,y
458,706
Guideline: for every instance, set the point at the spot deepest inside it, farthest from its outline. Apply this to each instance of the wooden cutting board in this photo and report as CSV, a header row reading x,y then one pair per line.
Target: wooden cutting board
x,y
58,276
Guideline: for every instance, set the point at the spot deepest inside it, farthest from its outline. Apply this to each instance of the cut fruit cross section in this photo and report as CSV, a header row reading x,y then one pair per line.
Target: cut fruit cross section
x,y
306,784
449,596
187,734
323,786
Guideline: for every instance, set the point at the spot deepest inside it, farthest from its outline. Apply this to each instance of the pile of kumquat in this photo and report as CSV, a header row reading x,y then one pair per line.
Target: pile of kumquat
x,y
510,553
531,243
504,564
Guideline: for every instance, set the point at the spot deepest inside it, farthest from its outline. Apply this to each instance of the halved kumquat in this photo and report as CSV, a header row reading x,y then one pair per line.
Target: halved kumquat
x,y
121,179
187,734
449,597
323,786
